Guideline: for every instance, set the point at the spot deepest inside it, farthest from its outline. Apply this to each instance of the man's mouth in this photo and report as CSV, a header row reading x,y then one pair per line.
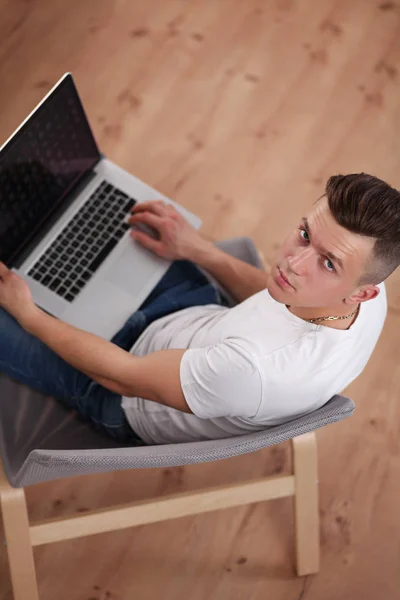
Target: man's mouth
x,y
283,281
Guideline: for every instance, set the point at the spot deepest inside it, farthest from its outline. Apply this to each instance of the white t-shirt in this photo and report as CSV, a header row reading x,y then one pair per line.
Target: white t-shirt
x,y
250,367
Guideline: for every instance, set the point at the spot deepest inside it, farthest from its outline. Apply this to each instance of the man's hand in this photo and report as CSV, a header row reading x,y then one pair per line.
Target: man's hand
x,y
15,295
177,239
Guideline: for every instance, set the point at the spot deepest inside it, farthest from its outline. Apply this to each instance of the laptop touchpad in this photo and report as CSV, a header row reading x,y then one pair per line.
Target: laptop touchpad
x,y
134,268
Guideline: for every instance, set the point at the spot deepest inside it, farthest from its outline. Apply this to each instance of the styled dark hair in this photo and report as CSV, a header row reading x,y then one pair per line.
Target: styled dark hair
x,y
368,206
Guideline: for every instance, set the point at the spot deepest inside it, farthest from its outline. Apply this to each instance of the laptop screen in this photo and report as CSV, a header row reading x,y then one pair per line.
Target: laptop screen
x,y
50,153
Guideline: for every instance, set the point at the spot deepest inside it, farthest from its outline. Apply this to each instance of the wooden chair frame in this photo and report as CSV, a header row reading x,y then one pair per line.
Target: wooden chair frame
x,y
21,536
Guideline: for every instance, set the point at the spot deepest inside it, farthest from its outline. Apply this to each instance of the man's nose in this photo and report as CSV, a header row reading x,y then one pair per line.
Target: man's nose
x,y
298,262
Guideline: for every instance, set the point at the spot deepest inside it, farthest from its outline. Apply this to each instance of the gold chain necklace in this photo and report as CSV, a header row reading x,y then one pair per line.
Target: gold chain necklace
x,y
330,318
333,318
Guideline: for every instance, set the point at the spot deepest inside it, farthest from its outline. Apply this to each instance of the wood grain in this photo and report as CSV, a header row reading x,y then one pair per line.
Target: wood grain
x,y
240,111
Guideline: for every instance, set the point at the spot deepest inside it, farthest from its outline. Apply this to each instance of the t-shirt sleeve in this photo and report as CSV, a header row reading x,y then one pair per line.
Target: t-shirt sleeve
x,y
221,381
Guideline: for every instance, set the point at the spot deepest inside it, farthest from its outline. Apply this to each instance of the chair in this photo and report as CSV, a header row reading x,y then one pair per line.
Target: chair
x,y
59,445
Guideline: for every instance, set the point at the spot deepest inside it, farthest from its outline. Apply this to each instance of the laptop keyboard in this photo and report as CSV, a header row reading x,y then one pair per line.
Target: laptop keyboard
x,y
78,251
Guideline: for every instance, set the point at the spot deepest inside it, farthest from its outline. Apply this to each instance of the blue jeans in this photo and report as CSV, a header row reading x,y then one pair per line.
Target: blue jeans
x,y
27,360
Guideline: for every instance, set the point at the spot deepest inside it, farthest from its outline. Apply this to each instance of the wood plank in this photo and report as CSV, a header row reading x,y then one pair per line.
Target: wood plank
x,y
305,462
240,111
18,541
152,511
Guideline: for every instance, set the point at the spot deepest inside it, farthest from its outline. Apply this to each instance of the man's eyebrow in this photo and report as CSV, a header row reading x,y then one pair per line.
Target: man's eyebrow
x,y
330,255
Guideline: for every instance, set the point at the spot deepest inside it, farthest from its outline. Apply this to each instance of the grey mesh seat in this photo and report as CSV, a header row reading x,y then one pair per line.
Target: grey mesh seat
x,y
40,441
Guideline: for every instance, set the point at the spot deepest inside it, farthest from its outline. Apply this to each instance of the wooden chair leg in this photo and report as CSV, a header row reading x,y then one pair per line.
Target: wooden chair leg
x,y
17,534
305,466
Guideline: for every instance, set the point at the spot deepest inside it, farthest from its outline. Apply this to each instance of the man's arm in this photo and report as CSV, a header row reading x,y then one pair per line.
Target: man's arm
x,y
238,277
177,239
154,377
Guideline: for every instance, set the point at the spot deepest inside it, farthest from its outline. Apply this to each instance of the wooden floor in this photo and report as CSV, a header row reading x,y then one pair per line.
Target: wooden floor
x,y
240,110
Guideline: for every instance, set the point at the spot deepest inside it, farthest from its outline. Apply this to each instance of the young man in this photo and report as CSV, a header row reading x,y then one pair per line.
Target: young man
x,y
185,367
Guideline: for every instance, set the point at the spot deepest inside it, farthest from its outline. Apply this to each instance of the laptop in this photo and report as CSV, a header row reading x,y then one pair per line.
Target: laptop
x,y
63,218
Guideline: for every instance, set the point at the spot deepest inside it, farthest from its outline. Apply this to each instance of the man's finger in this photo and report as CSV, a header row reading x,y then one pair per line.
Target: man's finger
x,y
146,241
3,270
146,218
155,206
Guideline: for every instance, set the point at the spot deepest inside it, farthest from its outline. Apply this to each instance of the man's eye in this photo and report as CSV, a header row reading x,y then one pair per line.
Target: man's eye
x,y
329,264
305,237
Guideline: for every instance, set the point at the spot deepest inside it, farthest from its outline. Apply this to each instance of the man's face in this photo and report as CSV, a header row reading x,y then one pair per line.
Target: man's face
x,y
321,260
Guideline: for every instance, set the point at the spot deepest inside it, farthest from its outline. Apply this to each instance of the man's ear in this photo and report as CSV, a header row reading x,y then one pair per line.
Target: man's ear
x,y
362,294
